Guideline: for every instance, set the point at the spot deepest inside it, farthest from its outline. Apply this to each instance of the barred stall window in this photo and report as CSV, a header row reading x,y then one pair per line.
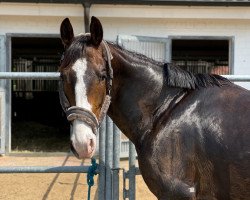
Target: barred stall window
x,y
202,56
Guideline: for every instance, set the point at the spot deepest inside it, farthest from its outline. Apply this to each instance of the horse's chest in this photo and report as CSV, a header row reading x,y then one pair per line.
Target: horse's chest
x,y
166,164
150,171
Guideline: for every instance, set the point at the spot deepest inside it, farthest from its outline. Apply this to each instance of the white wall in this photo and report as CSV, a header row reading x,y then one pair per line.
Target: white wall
x,y
157,21
39,18
164,21
238,29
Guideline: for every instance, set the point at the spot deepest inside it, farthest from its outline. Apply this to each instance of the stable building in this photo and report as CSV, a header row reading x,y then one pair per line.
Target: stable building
x,y
200,36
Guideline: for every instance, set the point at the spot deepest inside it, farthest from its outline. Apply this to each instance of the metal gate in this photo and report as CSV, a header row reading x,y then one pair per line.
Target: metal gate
x,y
152,47
108,161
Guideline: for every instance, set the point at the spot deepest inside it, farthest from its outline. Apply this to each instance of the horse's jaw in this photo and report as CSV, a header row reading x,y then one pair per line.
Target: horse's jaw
x,y
83,140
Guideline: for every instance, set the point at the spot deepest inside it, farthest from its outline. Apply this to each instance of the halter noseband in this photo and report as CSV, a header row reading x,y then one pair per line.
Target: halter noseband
x,y
75,112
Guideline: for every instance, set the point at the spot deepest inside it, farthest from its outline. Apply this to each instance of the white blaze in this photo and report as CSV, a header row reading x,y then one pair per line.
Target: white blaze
x,y
82,135
80,68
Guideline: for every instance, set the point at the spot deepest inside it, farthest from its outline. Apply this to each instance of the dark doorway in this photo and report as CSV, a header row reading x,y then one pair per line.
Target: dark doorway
x,y
202,55
38,124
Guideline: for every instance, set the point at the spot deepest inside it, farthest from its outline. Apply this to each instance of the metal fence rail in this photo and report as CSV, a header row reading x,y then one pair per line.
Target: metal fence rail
x,y
56,76
238,78
44,169
30,75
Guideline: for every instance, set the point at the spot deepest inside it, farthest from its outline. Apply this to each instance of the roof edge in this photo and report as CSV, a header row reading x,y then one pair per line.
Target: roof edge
x,y
141,2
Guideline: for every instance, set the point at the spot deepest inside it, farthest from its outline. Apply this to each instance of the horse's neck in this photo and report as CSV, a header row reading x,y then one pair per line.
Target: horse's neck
x,y
138,90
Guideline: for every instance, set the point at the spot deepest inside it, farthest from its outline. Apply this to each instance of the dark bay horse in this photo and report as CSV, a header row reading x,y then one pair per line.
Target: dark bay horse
x,y
191,132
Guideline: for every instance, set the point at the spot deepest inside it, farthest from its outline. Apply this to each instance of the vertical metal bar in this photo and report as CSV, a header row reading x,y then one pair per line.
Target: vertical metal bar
x,y
2,132
116,162
231,55
168,50
109,158
8,108
2,96
102,137
132,159
86,6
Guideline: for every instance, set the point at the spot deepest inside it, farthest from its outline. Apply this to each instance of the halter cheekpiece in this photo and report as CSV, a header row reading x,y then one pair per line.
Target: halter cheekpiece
x,y
87,116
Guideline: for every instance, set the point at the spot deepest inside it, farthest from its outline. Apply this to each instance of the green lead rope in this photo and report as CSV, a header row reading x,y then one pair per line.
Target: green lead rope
x,y
90,175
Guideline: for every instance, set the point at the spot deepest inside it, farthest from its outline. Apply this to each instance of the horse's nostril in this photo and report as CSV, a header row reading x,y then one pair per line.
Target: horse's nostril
x,y
74,151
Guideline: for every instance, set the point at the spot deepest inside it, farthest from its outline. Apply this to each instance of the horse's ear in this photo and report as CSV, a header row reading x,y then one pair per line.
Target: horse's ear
x,y
96,31
67,33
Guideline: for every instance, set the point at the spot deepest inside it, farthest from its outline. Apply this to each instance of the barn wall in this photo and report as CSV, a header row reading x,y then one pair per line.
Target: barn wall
x,y
237,29
164,21
39,18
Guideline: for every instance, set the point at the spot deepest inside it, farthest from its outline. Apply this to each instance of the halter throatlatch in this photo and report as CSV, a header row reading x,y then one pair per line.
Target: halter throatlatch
x,y
107,100
75,112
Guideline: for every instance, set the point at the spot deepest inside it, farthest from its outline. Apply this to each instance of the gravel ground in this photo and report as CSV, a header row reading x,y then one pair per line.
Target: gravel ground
x,y
54,186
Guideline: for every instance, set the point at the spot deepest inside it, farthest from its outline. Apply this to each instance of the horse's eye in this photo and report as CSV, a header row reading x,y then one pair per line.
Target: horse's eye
x,y
103,77
62,77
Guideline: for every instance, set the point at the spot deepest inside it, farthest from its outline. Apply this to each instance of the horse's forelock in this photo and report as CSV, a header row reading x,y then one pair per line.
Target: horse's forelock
x,y
75,51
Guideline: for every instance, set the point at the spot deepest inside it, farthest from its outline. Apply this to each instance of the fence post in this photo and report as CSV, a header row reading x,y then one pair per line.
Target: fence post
x,y
101,185
2,94
132,171
109,157
116,160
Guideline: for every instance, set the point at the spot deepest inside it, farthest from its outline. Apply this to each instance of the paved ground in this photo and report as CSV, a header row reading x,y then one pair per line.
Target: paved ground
x,y
54,186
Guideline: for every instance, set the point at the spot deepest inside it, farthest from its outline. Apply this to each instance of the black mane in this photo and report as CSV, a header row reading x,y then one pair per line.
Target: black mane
x,y
177,77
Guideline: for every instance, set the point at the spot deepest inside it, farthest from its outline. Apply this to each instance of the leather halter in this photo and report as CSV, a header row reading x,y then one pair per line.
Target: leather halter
x,y
87,116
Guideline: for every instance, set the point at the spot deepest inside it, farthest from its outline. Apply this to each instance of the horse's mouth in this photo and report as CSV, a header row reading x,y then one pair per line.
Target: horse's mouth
x,y
74,151
82,155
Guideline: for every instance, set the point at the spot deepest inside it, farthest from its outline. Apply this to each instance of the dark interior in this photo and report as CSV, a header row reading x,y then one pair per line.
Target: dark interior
x,y
38,122
201,55
200,49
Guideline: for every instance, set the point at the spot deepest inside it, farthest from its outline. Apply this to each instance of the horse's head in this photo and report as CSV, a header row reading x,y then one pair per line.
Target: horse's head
x,y
86,78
